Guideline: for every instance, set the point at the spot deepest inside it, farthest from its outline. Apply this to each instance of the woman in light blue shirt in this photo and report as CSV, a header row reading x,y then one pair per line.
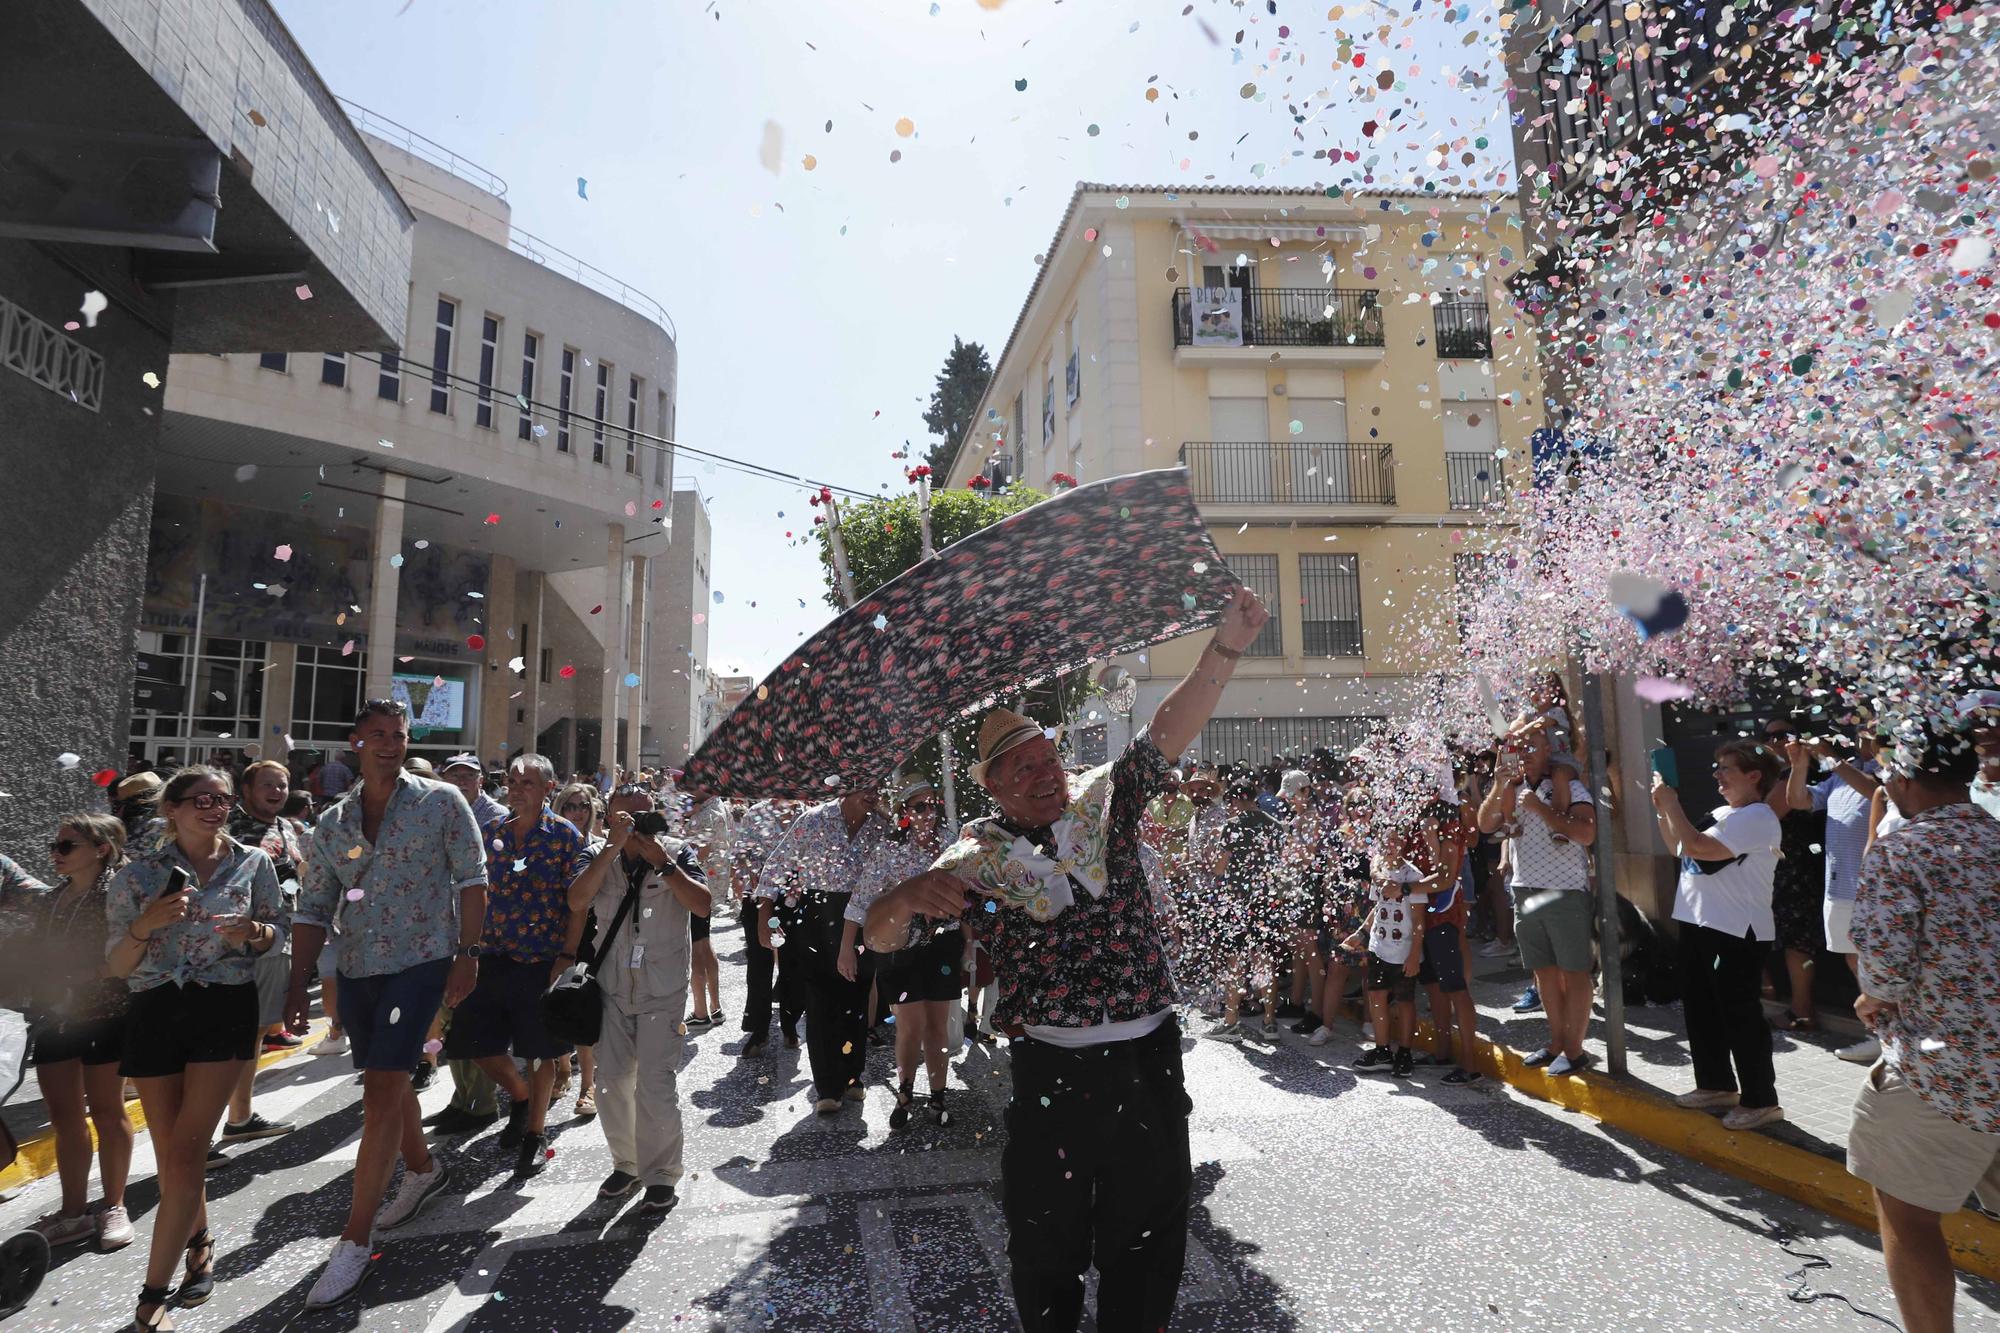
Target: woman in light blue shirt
x,y
188,921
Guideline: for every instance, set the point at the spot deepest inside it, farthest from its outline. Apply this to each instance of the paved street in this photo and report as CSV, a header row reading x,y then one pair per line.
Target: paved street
x,y
1324,1200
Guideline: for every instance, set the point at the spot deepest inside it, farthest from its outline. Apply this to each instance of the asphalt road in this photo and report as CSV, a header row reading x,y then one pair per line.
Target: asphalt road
x,y
1323,1200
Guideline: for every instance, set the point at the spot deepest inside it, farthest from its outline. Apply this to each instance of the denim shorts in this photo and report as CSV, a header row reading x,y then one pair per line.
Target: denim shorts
x,y
388,1017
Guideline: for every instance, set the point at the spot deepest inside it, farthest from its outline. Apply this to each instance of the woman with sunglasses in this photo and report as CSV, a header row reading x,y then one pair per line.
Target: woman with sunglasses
x,y
583,806
188,921
77,1020
921,982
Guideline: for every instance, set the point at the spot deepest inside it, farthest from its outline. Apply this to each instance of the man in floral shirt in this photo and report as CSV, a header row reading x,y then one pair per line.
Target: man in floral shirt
x,y
1060,899
1927,927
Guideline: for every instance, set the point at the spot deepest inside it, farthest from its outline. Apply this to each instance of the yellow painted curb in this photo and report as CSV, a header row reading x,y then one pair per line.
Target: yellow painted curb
x,y
38,1154
1816,1181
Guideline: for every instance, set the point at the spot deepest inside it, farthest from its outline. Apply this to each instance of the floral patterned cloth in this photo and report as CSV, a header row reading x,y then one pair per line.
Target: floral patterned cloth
x,y
816,855
396,900
1927,928
1106,568
190,952
527,887
1068,918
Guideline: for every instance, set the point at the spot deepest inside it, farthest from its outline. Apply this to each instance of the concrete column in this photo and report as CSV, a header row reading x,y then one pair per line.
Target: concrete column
x,y
385,585
635,652
614,642
503,645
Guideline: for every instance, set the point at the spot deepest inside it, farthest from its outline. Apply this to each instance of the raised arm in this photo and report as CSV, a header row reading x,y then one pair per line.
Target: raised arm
x,y
1183,713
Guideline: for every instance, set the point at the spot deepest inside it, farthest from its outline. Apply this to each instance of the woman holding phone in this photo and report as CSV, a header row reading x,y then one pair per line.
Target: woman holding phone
x,y
188,921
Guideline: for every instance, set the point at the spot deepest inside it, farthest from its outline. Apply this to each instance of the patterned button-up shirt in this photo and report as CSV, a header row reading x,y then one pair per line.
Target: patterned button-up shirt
x,y
817,856
1069,920
190,951
757,836
278,840
527,886
891,864
395,900
1927,928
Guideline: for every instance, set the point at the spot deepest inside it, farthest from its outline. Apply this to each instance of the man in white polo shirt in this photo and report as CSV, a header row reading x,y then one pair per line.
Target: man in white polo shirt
x,y
1555,915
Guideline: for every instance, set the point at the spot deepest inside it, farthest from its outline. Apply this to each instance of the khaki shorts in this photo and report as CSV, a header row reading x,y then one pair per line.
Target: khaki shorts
x,y
1554,928
1905,1148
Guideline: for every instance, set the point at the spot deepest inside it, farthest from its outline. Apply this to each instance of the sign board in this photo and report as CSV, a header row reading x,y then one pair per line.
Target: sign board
x,y
1218,317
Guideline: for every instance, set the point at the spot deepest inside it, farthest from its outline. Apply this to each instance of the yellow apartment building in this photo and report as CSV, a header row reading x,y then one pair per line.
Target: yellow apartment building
x,y
1349,390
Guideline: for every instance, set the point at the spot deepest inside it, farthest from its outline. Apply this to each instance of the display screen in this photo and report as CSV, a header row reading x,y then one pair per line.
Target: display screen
x,y
434,701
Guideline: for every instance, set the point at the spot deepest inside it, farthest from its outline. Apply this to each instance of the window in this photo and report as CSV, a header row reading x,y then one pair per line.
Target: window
x,y
633,387
227,697
1471,455
603,403
489,362
1048,405
547,664
1261,573
333,369
389,384
326,694
564,387
278,361
1330,588
1073,368
1255,740
530,344
447,318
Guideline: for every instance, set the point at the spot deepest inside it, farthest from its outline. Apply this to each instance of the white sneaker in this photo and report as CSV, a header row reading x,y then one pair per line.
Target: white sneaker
x,y
59,1230
1495,949
1748,1117
334,1045
345,1270
1706,1099
1321,1036
416,1190
1562,1064
1864,1052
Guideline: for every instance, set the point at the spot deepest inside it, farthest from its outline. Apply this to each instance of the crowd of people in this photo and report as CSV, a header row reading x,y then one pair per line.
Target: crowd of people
x,y
529,934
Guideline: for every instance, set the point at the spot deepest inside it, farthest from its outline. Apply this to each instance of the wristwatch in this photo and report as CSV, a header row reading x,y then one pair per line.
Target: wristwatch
x,y
467,951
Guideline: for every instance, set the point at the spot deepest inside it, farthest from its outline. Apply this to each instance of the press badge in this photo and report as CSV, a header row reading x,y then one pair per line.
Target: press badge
x,y
638,955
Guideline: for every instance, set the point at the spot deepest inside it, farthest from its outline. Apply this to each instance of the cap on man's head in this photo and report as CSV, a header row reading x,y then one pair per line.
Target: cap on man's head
x,y
421,766
470,761
139,787
1003,730
1294,782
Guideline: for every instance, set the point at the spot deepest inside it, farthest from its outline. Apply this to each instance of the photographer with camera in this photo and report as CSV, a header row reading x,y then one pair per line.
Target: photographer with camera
x,y
646,888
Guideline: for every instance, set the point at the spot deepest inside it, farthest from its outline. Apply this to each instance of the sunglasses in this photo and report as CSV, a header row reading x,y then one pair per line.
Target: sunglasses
x,y
925,805
209,800
64,846
568,806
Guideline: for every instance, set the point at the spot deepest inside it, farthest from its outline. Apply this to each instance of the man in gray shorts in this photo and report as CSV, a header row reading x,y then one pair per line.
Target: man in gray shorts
x,y
1554,912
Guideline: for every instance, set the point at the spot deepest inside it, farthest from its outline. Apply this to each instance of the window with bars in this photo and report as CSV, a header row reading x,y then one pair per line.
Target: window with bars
x,y
633,388
1330,593
1257,740
1469,573
565,387
389,383
333,369
278,361
489,365
447,320
603,404
1261,573
531,344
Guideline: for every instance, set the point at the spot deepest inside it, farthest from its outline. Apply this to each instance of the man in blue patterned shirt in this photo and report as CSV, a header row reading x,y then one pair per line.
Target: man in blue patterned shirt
x,y
534,856
397,861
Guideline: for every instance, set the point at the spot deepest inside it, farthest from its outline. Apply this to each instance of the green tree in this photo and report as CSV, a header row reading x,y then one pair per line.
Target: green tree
x,y
884,538
966,373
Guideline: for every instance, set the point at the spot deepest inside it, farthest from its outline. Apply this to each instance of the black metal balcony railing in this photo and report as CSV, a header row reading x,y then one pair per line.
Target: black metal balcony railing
x,y
1473,480
1463,329
1282,472
1287,317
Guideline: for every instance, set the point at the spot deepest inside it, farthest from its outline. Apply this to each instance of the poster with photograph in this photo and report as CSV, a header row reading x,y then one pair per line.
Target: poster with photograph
x,y
1218,317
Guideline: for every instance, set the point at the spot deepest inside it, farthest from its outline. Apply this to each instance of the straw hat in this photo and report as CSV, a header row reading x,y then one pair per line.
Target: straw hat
x,y
139,787
1003,730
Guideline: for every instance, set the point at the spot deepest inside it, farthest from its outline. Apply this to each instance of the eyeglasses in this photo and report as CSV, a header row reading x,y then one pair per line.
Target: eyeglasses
x,y
925,805
1724,768
64,846
573,805
209,800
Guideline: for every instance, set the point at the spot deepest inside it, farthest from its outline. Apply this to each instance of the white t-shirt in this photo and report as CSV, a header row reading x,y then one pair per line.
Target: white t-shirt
x,y
1736,899
1393,933
1540,862
1986,795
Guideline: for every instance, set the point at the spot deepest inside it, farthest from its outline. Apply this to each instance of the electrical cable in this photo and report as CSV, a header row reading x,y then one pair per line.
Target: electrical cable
x,y
1802,1292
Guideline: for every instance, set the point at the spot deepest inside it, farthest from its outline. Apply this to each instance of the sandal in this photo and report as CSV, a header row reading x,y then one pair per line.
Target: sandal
x,y
905,1099
162,1320
586,1105
199,1284
1794,1023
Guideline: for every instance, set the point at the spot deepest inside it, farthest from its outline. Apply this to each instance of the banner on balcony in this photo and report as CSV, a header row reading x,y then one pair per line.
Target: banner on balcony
x,y
1218,317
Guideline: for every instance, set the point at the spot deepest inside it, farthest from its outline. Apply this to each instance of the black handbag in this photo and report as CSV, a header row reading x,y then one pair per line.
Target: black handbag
x,y
573,1005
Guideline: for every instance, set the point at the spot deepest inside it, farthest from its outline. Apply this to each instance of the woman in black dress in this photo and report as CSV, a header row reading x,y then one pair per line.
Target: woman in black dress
x,y
1798,891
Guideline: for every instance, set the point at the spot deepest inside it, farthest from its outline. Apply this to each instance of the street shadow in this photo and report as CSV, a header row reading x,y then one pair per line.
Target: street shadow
x,y
739,1097
1508,1128
1290,1070
1257,1300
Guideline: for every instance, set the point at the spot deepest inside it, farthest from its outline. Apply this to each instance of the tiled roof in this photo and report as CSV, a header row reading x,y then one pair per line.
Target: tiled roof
x,y
1238,191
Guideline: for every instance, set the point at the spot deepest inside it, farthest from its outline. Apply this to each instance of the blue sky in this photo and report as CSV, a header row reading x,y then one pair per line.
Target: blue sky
x,y
814,307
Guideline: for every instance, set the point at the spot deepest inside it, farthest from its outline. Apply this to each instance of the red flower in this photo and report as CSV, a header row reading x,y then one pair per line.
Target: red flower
x,y
1062,479
977,483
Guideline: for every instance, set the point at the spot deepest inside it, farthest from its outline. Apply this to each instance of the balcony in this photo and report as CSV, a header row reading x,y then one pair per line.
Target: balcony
x,y
1473,480
1334,325
1464,331
1281,479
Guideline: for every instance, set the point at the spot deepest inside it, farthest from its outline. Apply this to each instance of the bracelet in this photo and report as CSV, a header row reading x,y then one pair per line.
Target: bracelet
x,y
1226,654
137,939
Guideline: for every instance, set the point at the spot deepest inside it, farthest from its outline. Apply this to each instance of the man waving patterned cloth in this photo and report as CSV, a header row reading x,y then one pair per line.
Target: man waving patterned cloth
x,y
1086,993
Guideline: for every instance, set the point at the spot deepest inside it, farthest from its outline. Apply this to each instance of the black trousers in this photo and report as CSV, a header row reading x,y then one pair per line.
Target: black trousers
x,y
1096,1170
836,1036
1721,986
769,977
